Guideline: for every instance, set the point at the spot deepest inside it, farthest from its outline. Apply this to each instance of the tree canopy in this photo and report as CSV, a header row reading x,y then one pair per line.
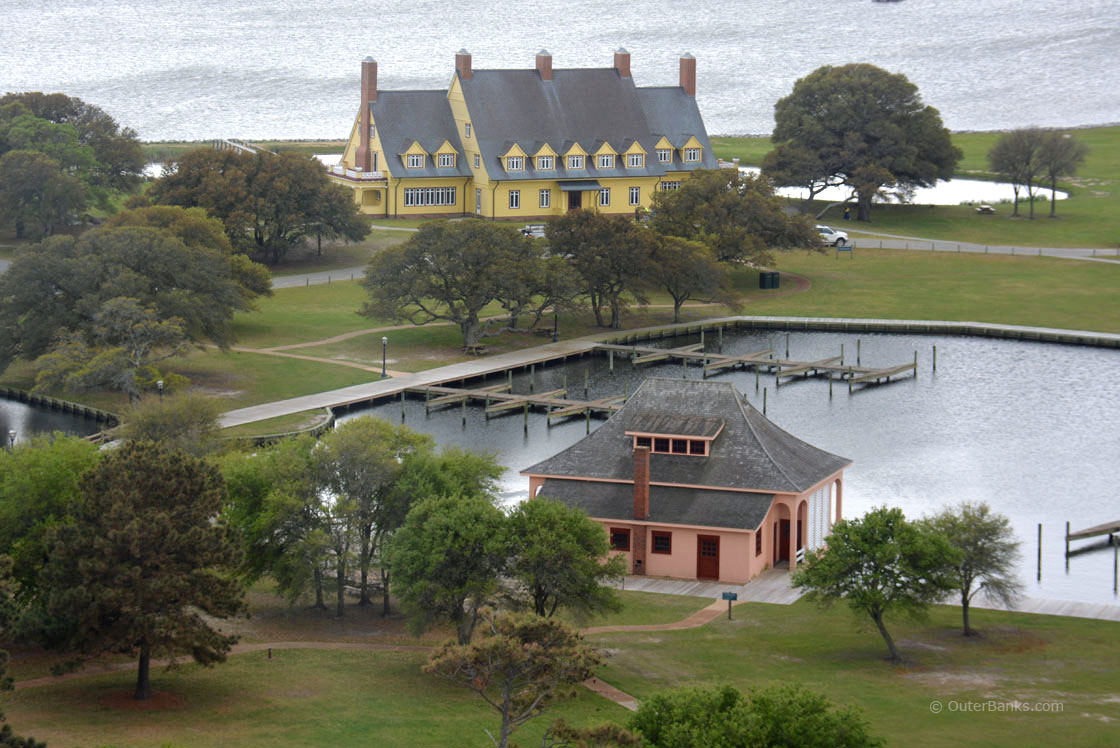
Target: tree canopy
x,y
737,215
8,738
721,717
77,286
1029,154
519,666
986,554
880,564
268,203
863,127
1061,154
687,270
451,271
145,559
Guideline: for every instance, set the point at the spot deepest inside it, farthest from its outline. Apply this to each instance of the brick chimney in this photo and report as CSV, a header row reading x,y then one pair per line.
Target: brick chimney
x,y
688,74
369,95
622,62
544,64
641,482
463,64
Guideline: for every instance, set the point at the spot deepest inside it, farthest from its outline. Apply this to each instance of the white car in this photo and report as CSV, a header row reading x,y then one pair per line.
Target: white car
x,y
831,236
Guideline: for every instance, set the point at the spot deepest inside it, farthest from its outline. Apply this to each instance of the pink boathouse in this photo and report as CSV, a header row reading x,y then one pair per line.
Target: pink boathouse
x,y
691,481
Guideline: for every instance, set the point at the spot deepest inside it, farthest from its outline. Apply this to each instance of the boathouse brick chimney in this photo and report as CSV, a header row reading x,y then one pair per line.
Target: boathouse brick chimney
x,y
544,64
622,62
369,95
463,64
641,483
688,74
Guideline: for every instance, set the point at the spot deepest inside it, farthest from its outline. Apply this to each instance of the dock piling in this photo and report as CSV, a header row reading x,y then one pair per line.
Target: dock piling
x,y
587,421
763,401
841,354
1115,567
1039,576
830,388
610,361
402,406
935,359
463,412
586,381
756,379
859,346
1067,546
721,338
787,345
525,416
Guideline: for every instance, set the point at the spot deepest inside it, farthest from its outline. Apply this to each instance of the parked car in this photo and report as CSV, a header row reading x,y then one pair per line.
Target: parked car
x,y
535,230
831,236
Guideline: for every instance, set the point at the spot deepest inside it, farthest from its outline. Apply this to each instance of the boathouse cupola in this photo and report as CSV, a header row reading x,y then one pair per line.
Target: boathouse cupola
x,y
674,434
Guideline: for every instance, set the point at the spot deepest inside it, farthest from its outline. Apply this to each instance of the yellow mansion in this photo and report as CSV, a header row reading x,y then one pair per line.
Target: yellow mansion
x,y
523,144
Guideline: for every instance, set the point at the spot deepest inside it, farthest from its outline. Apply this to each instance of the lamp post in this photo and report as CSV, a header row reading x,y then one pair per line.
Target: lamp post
x,y
555,325
384,352
11,440
159,386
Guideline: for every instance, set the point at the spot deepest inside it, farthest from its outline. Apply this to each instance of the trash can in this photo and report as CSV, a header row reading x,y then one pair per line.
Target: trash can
x,y
768,279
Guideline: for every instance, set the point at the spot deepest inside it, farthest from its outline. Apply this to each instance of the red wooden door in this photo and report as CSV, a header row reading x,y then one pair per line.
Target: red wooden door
x,y
707,556
781,540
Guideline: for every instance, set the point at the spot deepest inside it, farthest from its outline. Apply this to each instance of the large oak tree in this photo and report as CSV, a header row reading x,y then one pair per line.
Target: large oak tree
x,y
863,124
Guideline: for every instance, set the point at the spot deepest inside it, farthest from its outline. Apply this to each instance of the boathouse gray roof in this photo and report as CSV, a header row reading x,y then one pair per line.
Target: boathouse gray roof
x,y
667,504
404,117
750,453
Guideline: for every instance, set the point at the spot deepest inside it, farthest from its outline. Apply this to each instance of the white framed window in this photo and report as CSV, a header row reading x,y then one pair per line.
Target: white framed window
x,y
478,200
467,129
546,163
446,160
514,199
635,195
545,198
636,160
605,197
575,162
515,163
606,161
667,186
420,196
415,161
477,161
691,154
664,156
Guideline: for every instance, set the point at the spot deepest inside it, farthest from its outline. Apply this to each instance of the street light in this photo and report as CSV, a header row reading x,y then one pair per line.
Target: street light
x,y
11,440
384,351
159,386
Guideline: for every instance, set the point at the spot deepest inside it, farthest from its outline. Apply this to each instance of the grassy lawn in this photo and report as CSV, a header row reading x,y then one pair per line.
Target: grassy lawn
x,y
1090,218
279,425
1020,657
307,260
299,697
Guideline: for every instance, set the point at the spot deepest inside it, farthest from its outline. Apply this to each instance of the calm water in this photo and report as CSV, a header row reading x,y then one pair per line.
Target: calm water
x,y
27,422
1030,428
287,69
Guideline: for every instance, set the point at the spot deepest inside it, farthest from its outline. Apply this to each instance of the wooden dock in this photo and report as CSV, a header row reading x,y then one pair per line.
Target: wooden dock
x,y
831,368
499,400
1108,528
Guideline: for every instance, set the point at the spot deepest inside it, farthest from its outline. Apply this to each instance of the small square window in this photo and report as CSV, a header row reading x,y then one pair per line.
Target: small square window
x,y
545,163
415,161
662,542
697,447
643,441
664,155
446,160
680,446
606,161
620,539
635,160
515,163
691,154
575,162
661,445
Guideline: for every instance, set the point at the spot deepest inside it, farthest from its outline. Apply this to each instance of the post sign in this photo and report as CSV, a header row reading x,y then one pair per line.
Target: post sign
x,y
730,595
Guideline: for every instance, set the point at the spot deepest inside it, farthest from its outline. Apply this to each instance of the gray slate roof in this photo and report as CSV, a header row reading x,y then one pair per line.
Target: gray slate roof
x,y
402,117
588,106
667,504
750,453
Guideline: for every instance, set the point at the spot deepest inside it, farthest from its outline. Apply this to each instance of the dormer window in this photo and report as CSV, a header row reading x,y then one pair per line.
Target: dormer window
x,y
692,154
636,160
415,161
575,162
546,163
664,156
606,161
515,163
447,160
671,434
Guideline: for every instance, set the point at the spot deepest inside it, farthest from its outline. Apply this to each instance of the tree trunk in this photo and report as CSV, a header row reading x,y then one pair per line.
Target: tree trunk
x,y
364,555
878,618
964,613
1015,203
616,313
1053,191
340,593
319,603
507,722
143,673
863,204
677,304
1030,201
385,610
471,330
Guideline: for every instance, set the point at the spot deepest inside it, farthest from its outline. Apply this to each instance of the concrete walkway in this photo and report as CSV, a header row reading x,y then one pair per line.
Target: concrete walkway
x,y
771,586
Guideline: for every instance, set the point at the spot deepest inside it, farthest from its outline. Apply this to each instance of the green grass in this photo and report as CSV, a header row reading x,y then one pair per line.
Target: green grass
x,y
297,315
1090,218
299,697
900,284
279,425
307,260
1021,657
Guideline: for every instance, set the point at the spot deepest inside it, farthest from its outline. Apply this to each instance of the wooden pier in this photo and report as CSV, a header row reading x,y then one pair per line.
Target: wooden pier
x,y
831,368
1108,528
498,400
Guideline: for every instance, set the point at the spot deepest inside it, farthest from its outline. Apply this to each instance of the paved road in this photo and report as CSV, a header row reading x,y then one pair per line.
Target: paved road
x,y
315,279
877,240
